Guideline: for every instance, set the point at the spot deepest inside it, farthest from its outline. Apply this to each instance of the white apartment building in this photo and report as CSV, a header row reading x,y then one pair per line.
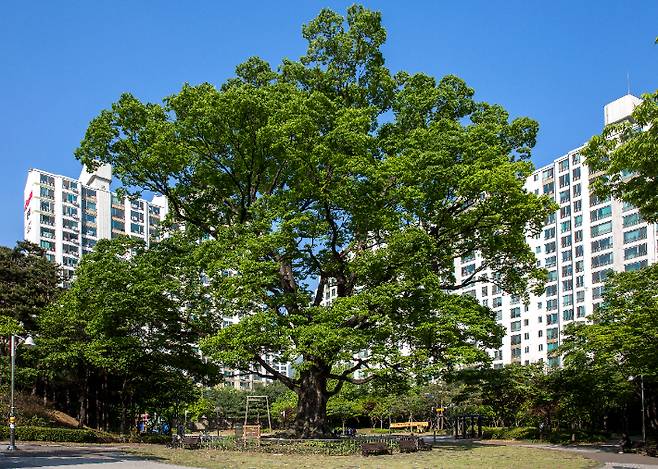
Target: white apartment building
x,y
580,244
67,216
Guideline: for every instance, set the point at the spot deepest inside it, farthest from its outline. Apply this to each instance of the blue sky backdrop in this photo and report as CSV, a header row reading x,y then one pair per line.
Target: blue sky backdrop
x,y
558,62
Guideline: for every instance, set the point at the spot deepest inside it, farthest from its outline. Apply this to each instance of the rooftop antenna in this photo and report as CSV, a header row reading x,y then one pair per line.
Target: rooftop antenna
x,y
628,83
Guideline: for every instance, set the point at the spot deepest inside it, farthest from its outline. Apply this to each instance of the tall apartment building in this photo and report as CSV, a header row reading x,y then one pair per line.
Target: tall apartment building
x,y
582,242
67,216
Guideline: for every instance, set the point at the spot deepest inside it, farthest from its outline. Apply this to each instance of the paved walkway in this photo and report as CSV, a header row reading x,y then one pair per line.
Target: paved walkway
x,y
52,456
605,454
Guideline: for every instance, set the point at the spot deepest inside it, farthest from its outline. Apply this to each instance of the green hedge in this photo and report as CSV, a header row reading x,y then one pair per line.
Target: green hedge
x,y
511,433
72,435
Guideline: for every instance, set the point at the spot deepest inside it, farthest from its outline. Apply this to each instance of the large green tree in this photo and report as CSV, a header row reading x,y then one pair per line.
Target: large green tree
x,y
626,155
122,338
333,173
28,283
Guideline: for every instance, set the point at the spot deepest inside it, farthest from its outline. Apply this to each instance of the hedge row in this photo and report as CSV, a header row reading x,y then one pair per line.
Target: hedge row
x,y
511,433
71,435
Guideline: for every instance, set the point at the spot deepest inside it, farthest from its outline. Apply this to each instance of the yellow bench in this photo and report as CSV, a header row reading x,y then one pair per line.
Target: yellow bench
x,y
421,426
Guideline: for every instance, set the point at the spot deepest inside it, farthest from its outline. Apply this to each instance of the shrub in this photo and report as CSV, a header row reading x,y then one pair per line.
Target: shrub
x,y
512,433
28,433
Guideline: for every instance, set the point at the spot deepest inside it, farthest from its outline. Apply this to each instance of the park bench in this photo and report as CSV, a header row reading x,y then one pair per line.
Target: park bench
x,y
408,445
419,426
375,448
191,442
412,444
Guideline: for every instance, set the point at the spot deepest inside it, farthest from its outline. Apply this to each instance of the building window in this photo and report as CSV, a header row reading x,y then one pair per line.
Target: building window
x,y
549,233
580,312
597,292
602,244
515,313
551,290
551,319
577,191
635,235
576,174
565,196
468,270
635,266
577,206
567,285
601,213
47,245
567,270
578,221
547,174
635,251
567,300
549,188
580,281
567,315
603,259
551,304
46,193
47,180
566,241
549,247
565,226
565,180
601,229
47,233
552,275
632,220
47,220
118,225
515,339
497,302
515,326
563,165
552,333
566,255
135,228
551,261
600,275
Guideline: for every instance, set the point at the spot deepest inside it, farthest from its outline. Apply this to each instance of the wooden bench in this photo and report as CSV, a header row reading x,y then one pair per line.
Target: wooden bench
x,y
191,442
408,445
420,426
377,448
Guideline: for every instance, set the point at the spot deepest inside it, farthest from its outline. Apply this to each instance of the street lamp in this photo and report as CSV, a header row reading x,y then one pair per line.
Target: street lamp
x,y
644,431
14,342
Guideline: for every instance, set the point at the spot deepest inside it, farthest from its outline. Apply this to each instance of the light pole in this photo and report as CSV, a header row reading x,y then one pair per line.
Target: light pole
x,y
28,342
644,430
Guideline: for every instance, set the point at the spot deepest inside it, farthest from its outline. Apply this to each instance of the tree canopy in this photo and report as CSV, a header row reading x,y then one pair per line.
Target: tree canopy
x,y
626,154
28,283
125,331
332,174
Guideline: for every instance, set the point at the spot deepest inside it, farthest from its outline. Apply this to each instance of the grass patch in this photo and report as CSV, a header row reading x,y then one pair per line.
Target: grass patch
x,y
453,456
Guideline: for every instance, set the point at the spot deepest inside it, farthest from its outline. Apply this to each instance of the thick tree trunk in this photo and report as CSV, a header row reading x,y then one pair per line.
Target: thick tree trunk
x,y
312,397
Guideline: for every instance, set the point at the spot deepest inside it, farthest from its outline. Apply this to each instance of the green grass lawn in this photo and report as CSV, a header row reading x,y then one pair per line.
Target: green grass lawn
x,y
456,456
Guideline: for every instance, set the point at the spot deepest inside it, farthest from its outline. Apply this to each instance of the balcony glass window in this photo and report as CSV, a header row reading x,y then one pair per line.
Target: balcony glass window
x,y
603,228
632,220
635,235
635,251
635,265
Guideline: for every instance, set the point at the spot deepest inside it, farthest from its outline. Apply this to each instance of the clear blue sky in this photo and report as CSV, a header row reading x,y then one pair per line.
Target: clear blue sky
x,y
558,62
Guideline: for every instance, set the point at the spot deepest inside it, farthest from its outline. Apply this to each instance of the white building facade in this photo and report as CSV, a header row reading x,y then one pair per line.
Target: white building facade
x,y
67,216
584,240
